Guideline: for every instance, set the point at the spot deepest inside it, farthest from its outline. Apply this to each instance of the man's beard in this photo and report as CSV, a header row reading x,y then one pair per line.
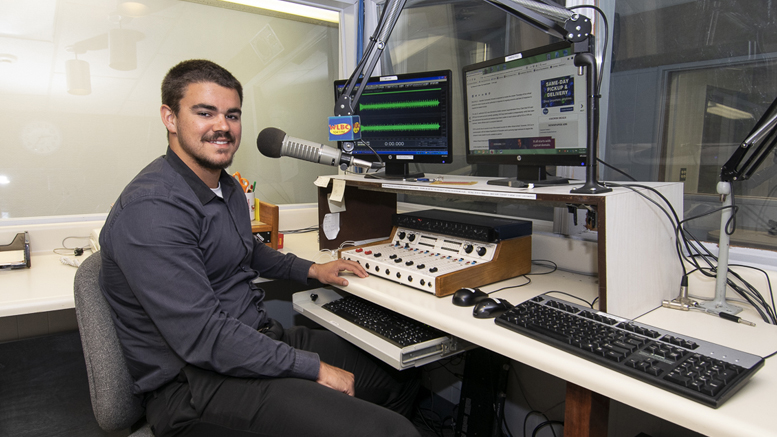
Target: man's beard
x,y
204,161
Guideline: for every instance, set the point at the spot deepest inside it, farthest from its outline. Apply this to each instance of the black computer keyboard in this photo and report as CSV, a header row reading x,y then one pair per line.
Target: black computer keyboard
x,y
702,371
394,327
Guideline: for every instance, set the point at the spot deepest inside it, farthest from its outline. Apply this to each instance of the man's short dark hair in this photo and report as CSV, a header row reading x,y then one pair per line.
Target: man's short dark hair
x,y
195,71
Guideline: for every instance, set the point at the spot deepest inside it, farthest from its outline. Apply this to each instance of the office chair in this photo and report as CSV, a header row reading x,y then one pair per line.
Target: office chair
x,y
110,384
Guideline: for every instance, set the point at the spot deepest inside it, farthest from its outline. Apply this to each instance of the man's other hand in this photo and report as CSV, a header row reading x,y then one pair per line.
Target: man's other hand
x,y
336,378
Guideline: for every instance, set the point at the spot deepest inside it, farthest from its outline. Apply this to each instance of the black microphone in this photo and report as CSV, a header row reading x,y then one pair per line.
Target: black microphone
x,y
274,143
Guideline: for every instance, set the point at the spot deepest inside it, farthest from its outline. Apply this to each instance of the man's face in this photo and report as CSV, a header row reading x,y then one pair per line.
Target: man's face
x,y
207,127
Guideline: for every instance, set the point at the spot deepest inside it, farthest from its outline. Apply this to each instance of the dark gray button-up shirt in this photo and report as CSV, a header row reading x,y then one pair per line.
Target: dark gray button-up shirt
x,y
177,262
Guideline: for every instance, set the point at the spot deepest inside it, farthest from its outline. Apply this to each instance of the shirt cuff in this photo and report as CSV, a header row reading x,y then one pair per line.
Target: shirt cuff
x,y
307,364
300,269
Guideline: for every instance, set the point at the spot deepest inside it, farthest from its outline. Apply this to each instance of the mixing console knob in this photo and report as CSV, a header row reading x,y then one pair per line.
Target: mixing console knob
x,y
409,279
399,275
401,235
392,256
481,251
398,260
388,272
411,237
469,248
367,266
433,269
420,266
409,263
377,254
423,282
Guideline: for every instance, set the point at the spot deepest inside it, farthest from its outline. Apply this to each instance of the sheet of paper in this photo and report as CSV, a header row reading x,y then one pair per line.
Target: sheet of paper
x,y
322,181
331,225
335,206
338,190
11,257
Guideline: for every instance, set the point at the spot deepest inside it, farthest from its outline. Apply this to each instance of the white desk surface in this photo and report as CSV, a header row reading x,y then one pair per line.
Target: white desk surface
x,y
748,412
46,286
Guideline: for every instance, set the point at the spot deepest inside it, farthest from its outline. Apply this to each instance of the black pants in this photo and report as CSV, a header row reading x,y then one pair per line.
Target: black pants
x,y
204,403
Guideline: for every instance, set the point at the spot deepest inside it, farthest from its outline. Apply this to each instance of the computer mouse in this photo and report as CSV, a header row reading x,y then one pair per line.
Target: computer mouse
x,y
490,307
466,297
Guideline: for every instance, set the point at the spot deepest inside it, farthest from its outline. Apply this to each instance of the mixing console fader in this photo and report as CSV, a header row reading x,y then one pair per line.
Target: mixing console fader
x,y
441,264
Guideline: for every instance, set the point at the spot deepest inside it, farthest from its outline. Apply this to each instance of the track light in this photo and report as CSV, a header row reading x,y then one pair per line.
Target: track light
x,y
79,81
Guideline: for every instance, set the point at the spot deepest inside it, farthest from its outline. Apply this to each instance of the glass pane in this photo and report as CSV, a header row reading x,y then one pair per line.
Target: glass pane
x,y
80,90
433,35
682,101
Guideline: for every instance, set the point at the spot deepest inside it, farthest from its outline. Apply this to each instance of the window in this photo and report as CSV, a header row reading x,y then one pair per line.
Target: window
x,y
689,81
80,115
685,83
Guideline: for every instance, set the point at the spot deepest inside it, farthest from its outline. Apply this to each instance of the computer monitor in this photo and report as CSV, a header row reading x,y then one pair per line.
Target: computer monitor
x,y
529,110
405,118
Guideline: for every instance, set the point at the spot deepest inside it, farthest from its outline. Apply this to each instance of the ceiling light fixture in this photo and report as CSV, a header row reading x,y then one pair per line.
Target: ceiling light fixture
x,y
134,8
726,111
79,80
292,8
123,49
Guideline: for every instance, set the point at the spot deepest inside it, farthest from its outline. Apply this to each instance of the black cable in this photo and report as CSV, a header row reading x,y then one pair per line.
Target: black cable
x,y
544,424
528,281
768,283
76,251
616,169
529,414
301,230
538,261
674,219
590,304
429,427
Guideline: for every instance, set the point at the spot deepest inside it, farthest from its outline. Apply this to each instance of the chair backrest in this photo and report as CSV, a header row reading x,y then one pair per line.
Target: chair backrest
x,y
110,384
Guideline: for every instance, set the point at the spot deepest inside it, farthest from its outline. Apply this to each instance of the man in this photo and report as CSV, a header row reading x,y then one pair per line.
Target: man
x,y
178,261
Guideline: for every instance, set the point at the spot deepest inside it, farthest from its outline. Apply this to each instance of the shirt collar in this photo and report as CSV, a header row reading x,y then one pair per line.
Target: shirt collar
x,y
201,190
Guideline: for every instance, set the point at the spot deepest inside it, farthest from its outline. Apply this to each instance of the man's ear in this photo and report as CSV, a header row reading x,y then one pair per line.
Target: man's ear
x,y
169,119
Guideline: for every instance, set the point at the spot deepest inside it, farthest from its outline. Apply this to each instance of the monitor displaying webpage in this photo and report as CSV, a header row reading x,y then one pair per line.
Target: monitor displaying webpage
x,y
527,105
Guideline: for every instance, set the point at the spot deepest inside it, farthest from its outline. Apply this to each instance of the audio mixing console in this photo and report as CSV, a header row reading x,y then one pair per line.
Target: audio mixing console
x,y
441,263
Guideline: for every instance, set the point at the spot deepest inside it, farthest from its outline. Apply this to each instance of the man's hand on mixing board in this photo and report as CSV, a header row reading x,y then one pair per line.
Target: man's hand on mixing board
x,y
329,273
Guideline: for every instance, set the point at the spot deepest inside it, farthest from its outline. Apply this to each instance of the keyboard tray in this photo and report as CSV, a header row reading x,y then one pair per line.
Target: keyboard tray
x,y
310,304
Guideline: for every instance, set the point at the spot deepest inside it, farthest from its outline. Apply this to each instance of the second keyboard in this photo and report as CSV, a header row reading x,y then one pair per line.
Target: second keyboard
x,y
705,372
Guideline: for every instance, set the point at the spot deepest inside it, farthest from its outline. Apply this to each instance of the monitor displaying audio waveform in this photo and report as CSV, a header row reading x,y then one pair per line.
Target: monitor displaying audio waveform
x,y
405,118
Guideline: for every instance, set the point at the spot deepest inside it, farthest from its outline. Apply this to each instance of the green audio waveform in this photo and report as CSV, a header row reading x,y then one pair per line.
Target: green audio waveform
x,y
410,104
401,127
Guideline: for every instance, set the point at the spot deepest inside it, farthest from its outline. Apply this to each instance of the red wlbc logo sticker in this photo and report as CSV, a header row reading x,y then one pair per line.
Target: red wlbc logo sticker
x,y
347,128
339,129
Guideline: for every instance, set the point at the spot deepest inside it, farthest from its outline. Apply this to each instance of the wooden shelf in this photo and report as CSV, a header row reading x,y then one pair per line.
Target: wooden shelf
x,y
269,215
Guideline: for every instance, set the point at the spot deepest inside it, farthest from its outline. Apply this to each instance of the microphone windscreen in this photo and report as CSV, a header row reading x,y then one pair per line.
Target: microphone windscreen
x,y
269,142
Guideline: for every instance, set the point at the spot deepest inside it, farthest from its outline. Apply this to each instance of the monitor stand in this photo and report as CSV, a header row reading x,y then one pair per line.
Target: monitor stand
x,y
536,175
394,171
